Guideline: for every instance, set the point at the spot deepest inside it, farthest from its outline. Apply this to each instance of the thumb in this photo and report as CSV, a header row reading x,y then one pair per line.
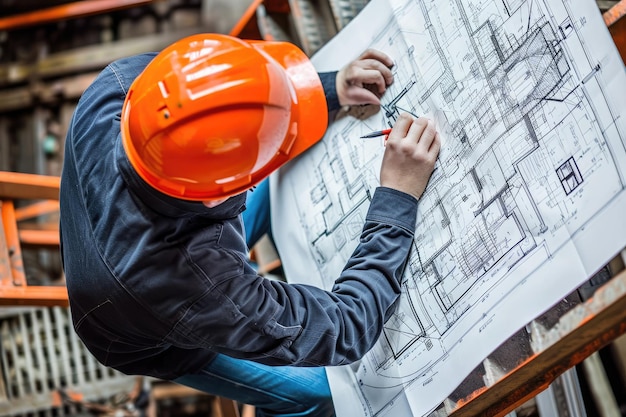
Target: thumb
x,y
360,95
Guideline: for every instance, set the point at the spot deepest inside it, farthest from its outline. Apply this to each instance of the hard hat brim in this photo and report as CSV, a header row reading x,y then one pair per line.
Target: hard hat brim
x,y
313,109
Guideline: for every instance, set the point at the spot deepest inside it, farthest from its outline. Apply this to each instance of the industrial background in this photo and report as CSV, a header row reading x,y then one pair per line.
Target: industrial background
x,y
50,51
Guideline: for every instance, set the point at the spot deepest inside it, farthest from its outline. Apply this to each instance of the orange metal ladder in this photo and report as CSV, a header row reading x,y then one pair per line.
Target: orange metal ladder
x,y
14,289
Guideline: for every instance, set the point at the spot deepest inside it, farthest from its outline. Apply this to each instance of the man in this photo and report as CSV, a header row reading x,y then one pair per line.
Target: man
x,y
160,154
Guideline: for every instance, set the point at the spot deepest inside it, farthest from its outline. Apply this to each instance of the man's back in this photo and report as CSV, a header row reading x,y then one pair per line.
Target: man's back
x,y
115,246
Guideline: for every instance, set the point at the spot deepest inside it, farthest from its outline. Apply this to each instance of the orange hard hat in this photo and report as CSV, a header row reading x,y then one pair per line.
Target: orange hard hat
x,y
213,115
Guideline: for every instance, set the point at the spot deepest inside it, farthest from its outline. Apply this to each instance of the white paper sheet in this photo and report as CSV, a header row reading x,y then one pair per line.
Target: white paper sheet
x,y
527,201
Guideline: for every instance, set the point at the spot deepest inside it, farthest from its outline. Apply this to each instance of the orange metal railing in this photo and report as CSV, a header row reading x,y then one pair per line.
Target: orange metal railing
x,y
14,289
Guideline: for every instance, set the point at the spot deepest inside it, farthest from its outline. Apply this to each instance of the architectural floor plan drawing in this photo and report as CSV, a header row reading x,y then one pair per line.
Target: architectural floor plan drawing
x,y
528,196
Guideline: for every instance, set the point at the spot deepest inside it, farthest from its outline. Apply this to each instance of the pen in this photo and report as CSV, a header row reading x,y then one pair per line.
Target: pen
x,y
376,134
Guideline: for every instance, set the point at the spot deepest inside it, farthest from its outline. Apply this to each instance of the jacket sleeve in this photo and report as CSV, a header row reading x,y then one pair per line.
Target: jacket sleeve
x,y
330,89
277,323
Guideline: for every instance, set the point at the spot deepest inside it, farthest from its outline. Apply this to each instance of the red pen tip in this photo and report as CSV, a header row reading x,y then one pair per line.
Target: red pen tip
x,y
377,134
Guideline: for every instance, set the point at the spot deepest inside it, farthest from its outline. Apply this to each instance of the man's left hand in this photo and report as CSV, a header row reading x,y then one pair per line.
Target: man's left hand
x,y
364,80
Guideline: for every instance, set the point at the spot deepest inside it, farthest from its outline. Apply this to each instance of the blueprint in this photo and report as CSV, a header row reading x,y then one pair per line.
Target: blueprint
x,y
527,200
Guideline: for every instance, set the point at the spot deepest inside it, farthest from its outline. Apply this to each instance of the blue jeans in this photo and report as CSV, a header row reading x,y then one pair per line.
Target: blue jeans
x,y
285,391
256,217
275,391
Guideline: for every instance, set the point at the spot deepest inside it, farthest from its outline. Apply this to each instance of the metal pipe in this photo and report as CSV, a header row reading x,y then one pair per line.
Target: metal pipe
x,y
615,13
243,21
67,11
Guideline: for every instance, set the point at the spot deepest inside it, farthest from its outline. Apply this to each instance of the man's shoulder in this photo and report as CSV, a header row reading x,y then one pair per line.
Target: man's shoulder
x,y
128,68
134,63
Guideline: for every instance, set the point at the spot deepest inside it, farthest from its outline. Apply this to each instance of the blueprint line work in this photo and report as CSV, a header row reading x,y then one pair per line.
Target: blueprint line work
x,y
528,196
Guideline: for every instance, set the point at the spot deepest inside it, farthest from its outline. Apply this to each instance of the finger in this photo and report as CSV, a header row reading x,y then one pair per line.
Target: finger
x,y
361,95
427,136
385,72
417,129
370,76
436,145
400,128
378,56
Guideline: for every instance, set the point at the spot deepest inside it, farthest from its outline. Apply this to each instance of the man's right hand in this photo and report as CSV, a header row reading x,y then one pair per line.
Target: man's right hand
x,y
410,154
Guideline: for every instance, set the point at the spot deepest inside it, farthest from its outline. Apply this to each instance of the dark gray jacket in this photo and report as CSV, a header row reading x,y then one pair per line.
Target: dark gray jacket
x,y
158,285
